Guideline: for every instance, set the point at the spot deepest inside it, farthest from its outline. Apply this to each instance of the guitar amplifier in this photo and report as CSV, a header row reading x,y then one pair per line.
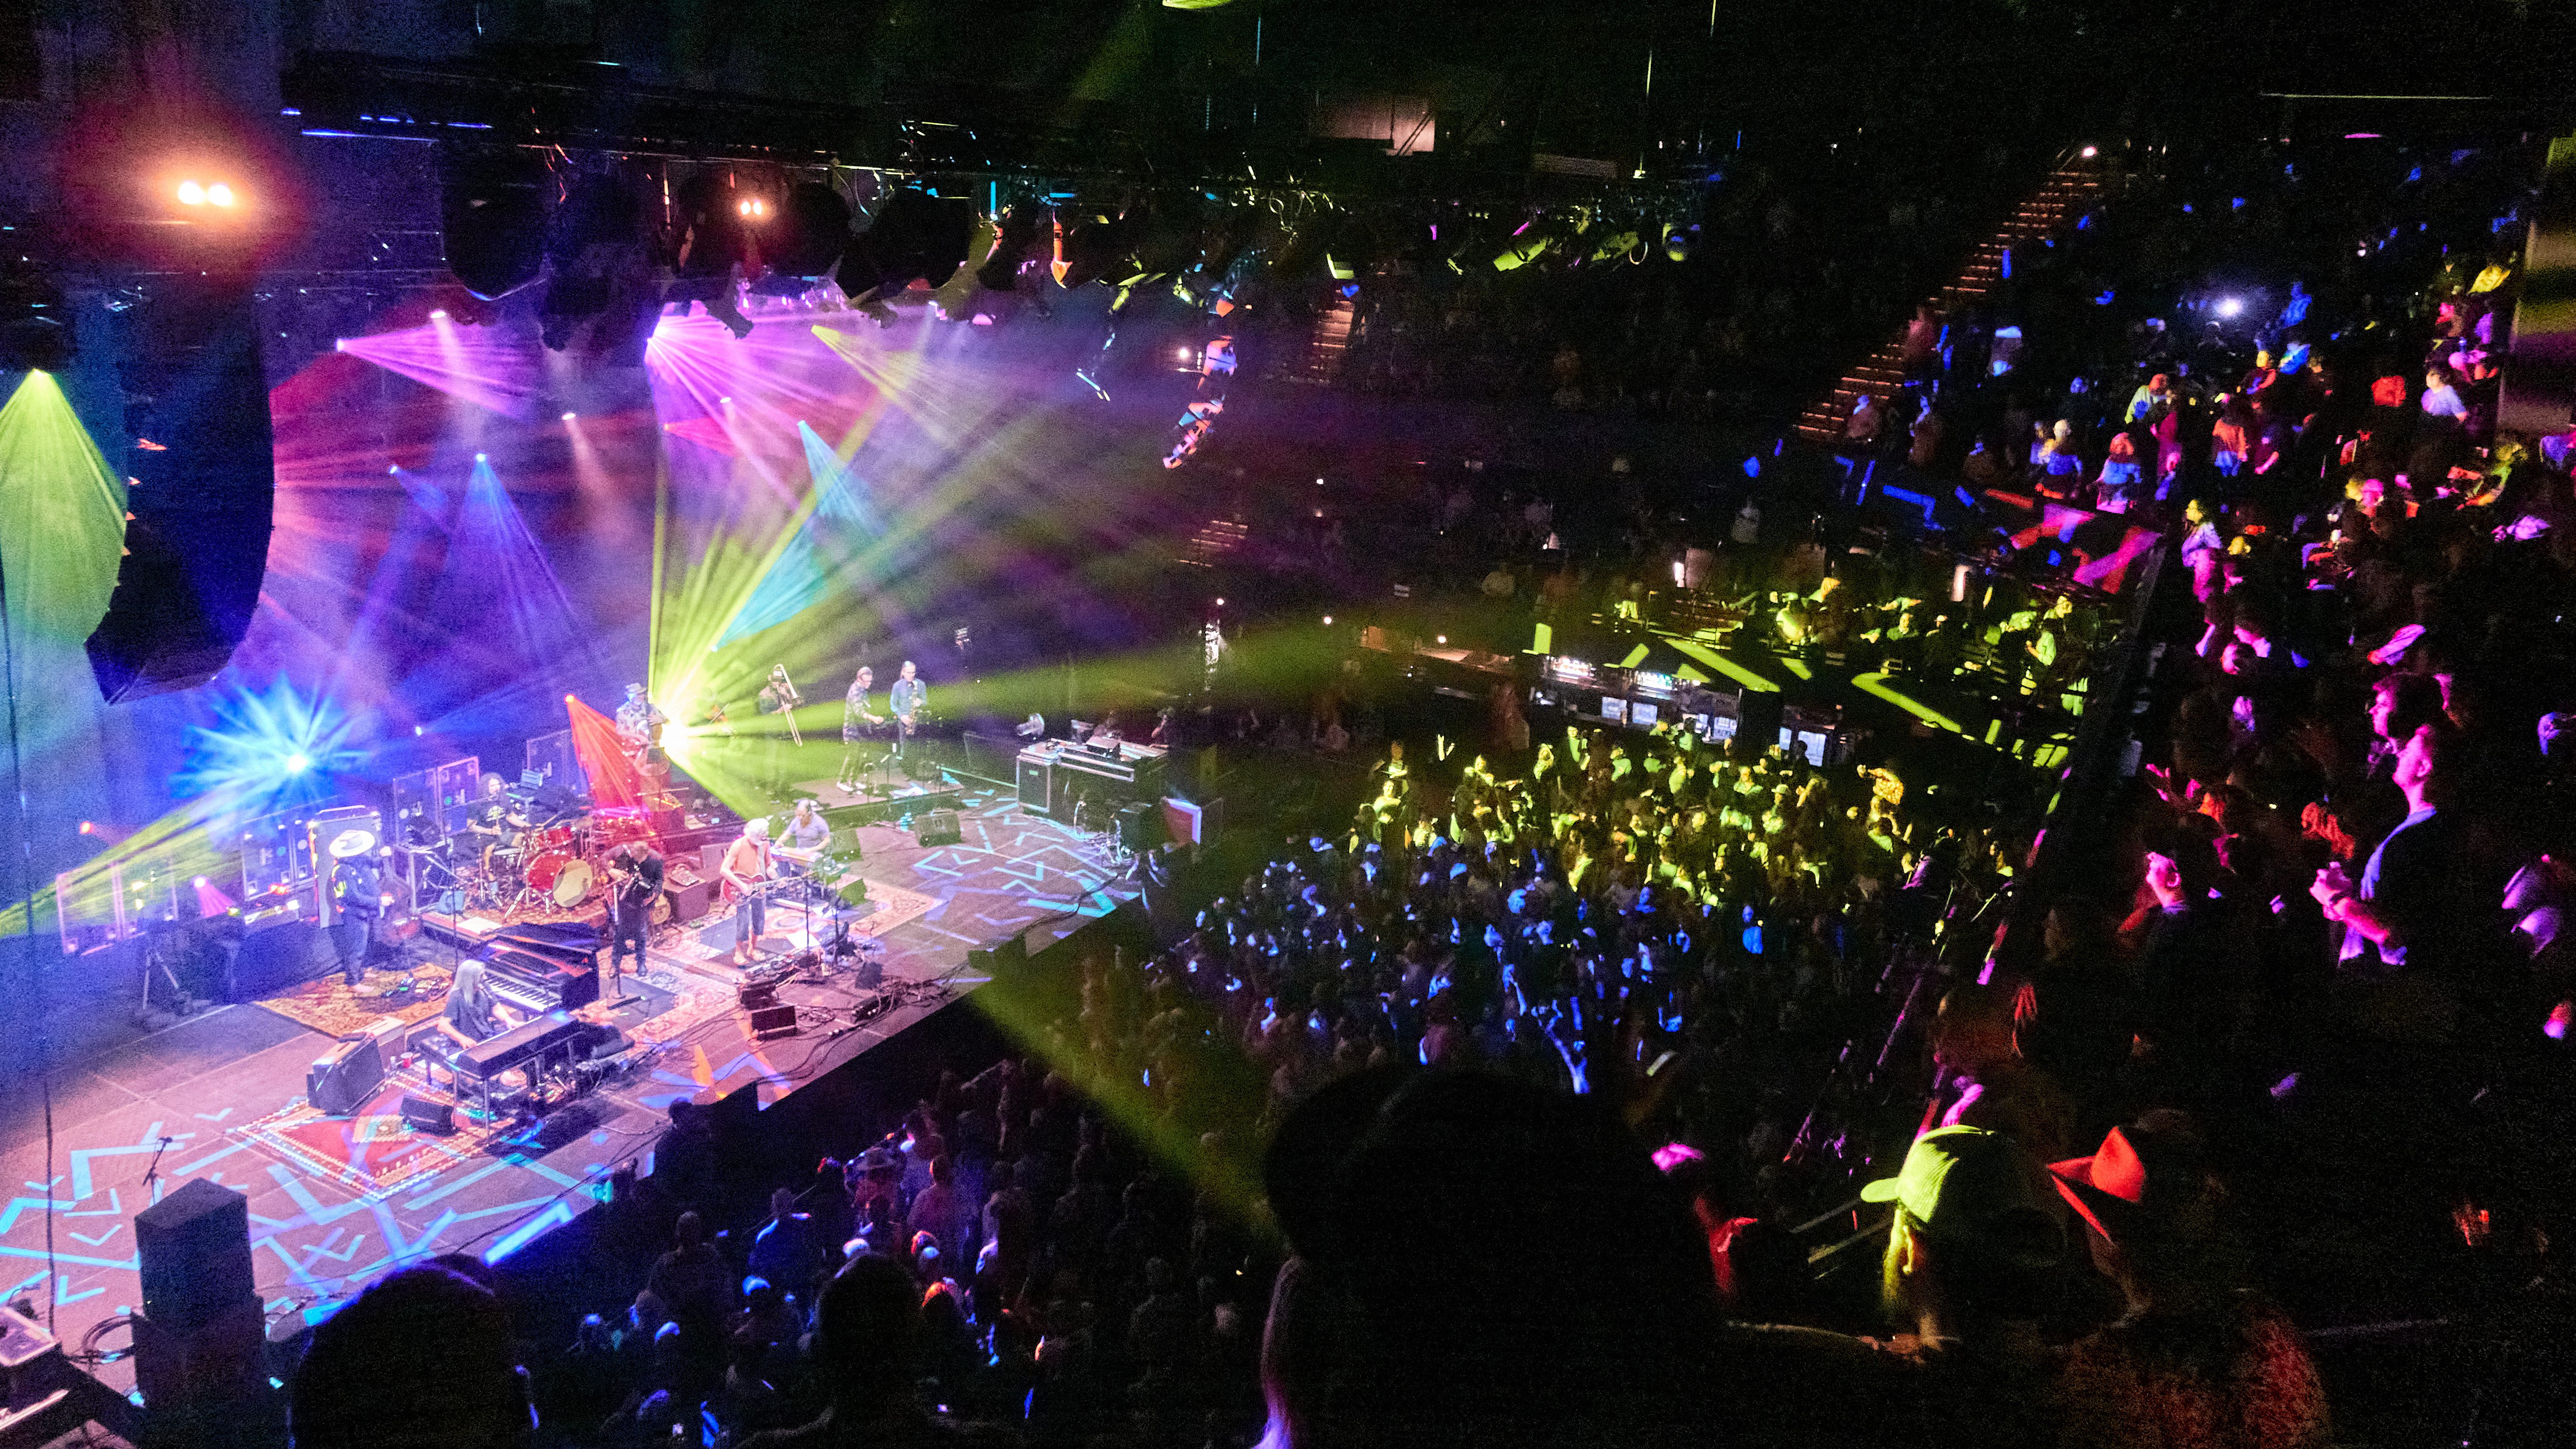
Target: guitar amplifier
x,y
690,895
342,1080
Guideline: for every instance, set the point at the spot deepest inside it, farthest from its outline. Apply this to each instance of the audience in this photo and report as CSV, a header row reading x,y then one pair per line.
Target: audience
x,y
2305,984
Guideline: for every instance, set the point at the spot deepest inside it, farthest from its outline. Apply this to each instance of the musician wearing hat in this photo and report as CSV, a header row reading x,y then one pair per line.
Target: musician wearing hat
x,y
639,723
357,894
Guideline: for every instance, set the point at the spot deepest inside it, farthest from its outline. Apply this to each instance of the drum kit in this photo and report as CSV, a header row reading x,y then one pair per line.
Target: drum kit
x,y
556,862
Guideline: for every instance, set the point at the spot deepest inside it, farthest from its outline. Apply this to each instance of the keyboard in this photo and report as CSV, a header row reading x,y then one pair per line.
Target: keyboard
x,y
543,967
519,1046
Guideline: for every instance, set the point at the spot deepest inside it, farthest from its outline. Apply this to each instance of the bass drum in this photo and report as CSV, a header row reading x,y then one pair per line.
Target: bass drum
x,y
572,884
549,868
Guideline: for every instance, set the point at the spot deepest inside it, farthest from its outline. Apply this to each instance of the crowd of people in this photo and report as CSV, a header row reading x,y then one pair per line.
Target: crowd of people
x,y
1571,1092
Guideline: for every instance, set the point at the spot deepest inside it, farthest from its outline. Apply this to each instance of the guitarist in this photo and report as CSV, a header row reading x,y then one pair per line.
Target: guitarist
x,y
746,871
904,699
634,883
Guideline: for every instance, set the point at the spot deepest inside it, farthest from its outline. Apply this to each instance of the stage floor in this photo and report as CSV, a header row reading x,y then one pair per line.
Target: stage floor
x,y
336,1202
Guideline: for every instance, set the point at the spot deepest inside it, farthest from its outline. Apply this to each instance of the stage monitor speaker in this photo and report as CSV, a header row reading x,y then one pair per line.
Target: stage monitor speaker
x,y
1140,826
344,1078
773,1021
425,1115
756,996
689,895
194,1378
940,827
196,549
193,1253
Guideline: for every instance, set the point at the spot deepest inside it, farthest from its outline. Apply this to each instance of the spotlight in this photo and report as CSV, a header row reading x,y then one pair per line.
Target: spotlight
x,y
191,194
2090,152
297,764
437,314
2230,306
220,194
1443,638
1087,247
811,233
392,468
568,417
1328,619
915,235
1018,231
492,218
482,458
417,729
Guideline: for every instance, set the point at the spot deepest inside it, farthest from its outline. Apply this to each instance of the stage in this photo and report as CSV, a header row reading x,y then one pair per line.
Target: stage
x,y
335,1202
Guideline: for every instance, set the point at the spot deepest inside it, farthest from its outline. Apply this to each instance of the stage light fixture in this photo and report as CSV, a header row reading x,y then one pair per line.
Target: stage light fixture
x,y
809,234
36,325
568,417
2231,306
297,763
2091,151
1088,246
600,269
191,194
1000,271
437,314
492,218
219,194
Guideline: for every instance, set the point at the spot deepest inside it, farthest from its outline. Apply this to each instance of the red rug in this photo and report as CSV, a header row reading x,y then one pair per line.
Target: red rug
x,y
374,1150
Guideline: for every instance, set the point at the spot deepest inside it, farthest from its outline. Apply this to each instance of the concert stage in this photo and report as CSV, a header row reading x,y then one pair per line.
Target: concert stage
x,y
335,1202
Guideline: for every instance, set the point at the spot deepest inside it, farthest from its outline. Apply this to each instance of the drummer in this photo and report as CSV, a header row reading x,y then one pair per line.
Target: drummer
x,y
491,815
805,831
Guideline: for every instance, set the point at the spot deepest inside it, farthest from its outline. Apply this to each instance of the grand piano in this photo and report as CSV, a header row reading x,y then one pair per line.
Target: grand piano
x,y
544,966
1054,773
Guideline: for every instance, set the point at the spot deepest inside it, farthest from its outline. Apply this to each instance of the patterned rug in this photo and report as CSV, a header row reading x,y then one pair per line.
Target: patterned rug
x,y
888,907
375,1150
328,1005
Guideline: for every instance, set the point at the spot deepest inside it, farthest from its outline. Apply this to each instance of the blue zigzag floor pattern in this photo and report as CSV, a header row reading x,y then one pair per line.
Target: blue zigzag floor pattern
x,y
170,1106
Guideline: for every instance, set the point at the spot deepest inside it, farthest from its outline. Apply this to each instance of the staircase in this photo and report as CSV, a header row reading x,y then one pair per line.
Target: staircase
x,y
2070,188
1329,346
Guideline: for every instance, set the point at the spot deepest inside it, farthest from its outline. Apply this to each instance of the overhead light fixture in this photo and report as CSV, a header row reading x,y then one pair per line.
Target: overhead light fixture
x,y
219,194
492,218
191,194
802,243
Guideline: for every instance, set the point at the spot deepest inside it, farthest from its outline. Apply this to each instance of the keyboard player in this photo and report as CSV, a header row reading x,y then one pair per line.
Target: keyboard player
x,y
806,835
473,1013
